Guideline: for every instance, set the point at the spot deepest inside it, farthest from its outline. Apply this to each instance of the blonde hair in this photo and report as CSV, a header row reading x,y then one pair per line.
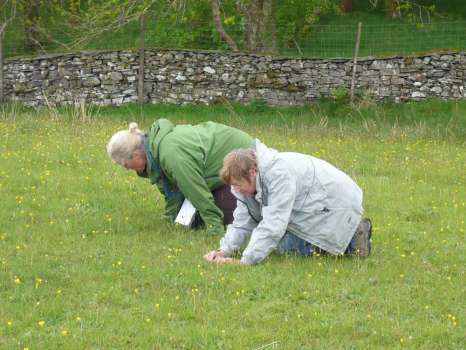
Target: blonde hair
x,y
238,164
123,143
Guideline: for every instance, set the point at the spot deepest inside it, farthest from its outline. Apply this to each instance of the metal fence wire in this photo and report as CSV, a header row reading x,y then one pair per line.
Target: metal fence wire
x,y
321,41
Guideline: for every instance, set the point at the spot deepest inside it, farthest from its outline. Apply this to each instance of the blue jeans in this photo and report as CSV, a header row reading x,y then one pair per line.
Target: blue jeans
x,y
293,245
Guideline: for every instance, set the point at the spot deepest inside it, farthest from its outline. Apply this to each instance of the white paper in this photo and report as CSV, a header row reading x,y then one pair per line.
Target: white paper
x,y
186,214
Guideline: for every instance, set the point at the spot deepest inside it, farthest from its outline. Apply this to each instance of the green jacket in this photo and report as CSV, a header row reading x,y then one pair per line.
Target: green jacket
x,y
184,161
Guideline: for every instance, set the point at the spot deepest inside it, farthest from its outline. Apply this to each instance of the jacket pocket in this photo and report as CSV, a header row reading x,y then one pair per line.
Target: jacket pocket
x,y
313,201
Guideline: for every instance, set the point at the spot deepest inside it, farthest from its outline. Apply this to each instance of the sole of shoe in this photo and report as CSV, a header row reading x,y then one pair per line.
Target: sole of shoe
x,y
362,243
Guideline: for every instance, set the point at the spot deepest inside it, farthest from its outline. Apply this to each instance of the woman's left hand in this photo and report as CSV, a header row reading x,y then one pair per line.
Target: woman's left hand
x,y
214,254
225,260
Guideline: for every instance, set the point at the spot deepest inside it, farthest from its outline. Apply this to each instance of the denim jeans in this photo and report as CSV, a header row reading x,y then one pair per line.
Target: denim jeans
x,y
293,245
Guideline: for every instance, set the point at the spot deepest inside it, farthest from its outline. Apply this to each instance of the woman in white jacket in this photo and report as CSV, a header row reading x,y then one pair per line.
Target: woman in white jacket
x,y
291,202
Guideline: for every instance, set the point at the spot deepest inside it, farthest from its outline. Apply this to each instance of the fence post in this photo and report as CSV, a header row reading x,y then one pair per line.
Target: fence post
x,y
141,61
355,63
1,65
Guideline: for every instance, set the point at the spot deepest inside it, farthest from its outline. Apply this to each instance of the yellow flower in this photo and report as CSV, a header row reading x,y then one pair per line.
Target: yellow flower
x,y
41,323
17,280
64,332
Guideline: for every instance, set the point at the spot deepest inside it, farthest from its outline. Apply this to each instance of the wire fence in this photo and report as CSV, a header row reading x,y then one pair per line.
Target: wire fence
x,y
320,41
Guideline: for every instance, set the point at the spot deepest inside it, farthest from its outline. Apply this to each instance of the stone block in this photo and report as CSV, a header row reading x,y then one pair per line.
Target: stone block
x,y
91,81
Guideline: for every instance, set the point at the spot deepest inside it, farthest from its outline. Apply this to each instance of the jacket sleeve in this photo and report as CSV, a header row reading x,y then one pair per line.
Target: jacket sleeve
x,y
190,181
281,188
239,230
173,202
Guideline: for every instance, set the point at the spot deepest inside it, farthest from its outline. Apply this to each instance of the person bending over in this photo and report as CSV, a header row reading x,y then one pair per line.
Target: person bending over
x,y
291,202
183,161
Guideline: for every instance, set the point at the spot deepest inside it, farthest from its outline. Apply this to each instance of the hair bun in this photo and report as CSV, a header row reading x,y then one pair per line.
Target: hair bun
x,y
133,127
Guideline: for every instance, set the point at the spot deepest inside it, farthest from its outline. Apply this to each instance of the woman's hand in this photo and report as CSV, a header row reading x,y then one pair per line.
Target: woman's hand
x,y
226,260
218,257
214,254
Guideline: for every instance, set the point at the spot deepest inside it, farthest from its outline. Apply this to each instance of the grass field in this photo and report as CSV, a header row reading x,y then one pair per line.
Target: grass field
x,y
86,261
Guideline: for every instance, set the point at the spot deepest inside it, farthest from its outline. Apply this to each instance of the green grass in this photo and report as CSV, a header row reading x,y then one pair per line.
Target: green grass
x,y
86,261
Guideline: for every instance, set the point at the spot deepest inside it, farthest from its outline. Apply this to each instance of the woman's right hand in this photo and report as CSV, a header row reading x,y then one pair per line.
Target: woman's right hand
x,y
214,254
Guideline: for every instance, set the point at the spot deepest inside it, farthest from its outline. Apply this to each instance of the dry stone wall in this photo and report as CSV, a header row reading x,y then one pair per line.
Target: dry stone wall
x,y
179,77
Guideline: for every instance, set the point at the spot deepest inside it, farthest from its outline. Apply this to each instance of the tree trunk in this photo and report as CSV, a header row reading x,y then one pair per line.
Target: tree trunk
x,y
31,25
391,9
75,6
346,5
261,30
253,18
75,9
268,29
219,26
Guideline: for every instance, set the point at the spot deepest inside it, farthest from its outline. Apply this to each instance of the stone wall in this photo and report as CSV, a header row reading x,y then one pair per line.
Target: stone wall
x,y
178,76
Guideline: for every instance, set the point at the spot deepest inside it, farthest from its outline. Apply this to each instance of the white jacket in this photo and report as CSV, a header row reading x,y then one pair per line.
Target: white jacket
x,y
297,193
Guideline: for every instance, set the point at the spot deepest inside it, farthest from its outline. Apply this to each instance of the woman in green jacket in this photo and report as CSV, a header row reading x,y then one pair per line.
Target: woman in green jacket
x,y
183,161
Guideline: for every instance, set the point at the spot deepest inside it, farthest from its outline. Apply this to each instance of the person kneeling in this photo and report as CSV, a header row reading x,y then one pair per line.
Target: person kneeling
x,y
291,202
183,162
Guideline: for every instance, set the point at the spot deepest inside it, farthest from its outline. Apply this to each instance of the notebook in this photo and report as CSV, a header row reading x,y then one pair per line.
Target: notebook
x,y
186,214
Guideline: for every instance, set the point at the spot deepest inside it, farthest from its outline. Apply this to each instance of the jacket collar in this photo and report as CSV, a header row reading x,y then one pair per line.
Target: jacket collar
x,y
157,133
152,141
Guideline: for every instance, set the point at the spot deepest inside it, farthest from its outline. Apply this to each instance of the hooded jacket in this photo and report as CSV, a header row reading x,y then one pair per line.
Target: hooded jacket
x,y
184,162
301,194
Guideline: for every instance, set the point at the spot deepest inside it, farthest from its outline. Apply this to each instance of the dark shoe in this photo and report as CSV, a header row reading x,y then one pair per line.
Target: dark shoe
x,y
362,238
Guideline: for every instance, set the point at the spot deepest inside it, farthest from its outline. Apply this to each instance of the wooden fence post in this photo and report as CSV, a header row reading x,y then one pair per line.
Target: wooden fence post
x,y
141,61
1,66
355,63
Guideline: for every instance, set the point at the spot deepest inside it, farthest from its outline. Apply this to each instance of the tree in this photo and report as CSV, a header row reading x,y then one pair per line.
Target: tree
x,y
31,9
261,33
392,8
297,19
73,23
8,9
346,5
100,17
219,26
7,15
259,21
414,11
